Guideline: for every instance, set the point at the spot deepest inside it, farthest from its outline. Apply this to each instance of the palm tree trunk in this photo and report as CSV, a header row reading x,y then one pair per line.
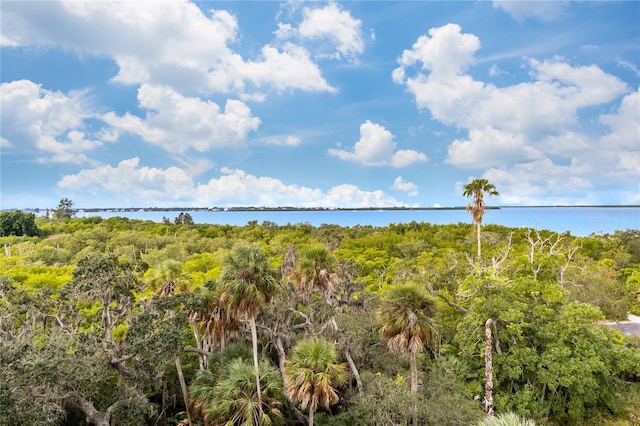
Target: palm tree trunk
x,y
478,232
488,369
183,386
281,363
310,416
254,338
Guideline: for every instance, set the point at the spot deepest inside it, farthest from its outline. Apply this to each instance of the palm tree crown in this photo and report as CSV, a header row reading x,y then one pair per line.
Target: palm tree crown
x,y
247,281
313,374
315,270
476,189
405,316
227,394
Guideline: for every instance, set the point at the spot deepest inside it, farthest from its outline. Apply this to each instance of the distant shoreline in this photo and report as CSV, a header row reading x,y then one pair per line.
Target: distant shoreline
x,y
305,209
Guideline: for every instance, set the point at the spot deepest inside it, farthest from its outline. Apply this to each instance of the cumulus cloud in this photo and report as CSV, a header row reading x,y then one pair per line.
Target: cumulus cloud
x,y
376,148
328,23
405,186
194,54
541,182
549,103
490,147
133,184
49,124
177,123
542,10
529,134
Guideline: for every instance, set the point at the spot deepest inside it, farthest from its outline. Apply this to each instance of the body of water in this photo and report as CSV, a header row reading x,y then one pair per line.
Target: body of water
x,y
579,221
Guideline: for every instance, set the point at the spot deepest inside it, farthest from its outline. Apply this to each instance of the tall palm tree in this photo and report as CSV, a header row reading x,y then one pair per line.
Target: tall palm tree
x,y
476,189
313,374
406,318
248,283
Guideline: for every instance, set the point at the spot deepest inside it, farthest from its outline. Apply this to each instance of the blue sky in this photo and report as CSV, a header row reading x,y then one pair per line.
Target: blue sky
x,y
318,104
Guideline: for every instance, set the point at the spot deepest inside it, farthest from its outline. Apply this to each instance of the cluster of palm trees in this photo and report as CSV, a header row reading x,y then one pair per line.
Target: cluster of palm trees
x,y
234,387
240,392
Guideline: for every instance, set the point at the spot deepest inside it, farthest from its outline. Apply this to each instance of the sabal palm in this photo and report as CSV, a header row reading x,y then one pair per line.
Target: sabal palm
x,y
406,319
170,277
229,395
247,284
215,319
313,374
316,270
476,189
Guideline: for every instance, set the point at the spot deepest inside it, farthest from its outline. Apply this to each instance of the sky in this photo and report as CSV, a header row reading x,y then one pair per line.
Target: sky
x,y
318,104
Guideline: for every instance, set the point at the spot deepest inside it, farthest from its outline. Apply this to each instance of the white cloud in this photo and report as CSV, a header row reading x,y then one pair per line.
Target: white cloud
x,y
490,147
624,124
177,123
331,23
351,196
376,148
542,10
405,186
131,184
549,103
193,54
630,66
541,183
520,130
334,23
49,124
284,140
446,52
290,68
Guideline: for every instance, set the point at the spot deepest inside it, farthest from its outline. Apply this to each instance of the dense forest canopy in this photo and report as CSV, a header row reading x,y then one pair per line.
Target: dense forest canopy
x,y
129,322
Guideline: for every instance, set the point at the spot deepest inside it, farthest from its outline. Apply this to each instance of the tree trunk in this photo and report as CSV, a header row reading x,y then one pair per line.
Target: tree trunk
x,y
310,416
183,386
488,370
478,237
354,370
92,416
256,366
414,387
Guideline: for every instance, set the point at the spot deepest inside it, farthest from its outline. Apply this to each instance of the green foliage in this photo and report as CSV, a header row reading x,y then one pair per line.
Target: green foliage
x,y
18,224
78,300
183,218
226,393
387,400
554,361
506,419
64,210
